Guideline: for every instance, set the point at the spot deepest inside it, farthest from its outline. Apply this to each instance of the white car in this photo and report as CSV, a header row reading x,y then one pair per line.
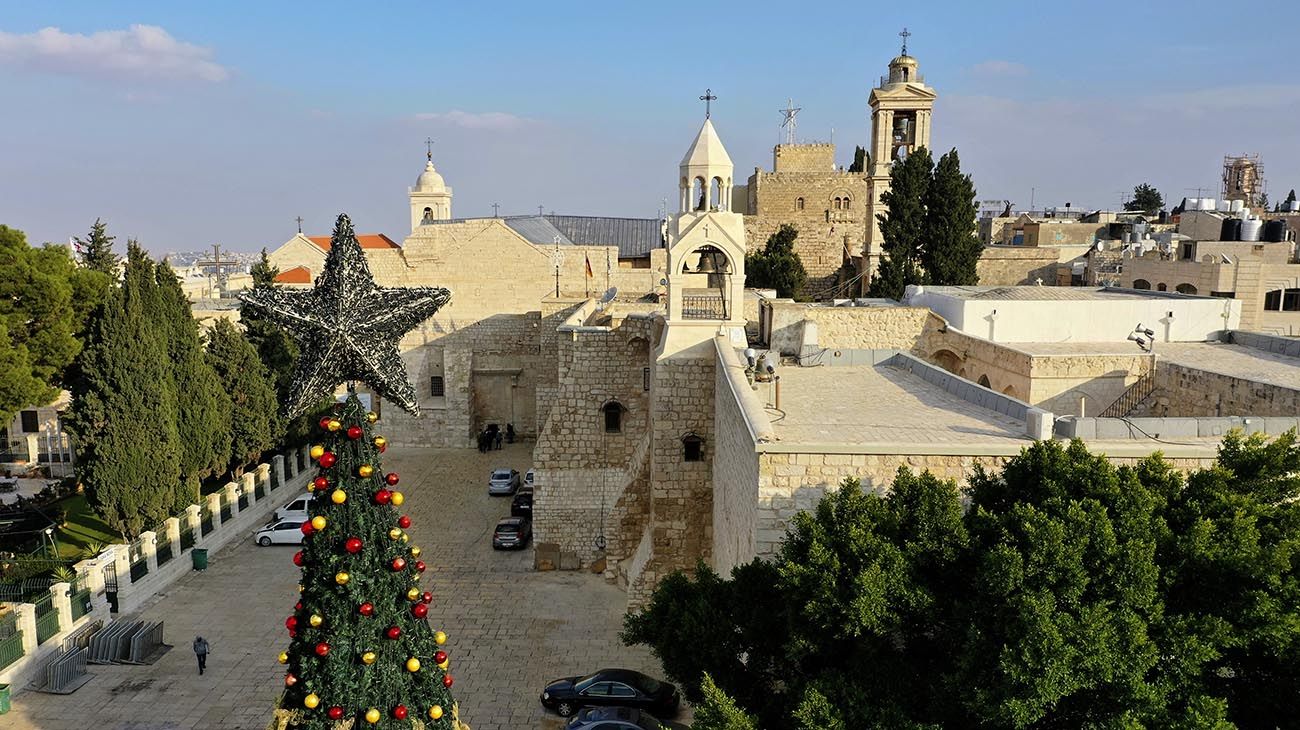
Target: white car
x,y
296,510
528,478
280,532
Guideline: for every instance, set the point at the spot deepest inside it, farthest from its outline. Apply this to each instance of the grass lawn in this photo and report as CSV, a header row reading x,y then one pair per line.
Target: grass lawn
x,y
83,528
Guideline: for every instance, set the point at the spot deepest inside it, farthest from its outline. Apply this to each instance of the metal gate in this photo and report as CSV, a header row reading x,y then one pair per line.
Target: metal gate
x,y
110,586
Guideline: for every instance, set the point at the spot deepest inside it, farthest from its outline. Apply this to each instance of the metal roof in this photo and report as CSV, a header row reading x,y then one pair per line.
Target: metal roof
x,y
634,237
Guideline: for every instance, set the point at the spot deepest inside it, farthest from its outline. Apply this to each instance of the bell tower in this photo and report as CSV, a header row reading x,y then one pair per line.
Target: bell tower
x,y
430,197
900,124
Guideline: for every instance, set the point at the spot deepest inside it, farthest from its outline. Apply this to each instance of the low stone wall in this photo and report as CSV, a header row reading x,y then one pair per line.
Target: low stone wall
x,y
843,328
741,425
1141,429
1289,346
1186,391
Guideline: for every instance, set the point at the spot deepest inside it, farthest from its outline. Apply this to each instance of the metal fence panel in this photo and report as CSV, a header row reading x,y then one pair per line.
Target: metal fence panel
x,y
11,649
205,520
164,551
139,569
66,671
226,512
46,626
80,603
80,639
187,536
243,501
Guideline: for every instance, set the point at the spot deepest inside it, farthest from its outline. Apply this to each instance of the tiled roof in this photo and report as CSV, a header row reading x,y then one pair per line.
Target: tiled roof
x,y
367,240
296,275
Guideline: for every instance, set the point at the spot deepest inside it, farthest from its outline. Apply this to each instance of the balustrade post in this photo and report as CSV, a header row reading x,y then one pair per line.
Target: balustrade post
x,y
194,516
27,624
61,597
172,526
214,506
247,487
231,490
149,549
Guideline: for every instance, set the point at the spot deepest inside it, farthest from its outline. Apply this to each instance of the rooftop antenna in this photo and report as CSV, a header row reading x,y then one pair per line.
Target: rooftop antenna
x,y
428,148
905,34
708,99
790,112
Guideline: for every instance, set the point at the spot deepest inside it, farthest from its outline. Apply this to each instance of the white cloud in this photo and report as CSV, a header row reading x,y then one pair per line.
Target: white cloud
x,y
999,69
139,52
493,121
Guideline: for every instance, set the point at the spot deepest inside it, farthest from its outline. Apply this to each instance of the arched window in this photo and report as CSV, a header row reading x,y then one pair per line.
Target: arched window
x,y
984,381
613,411
846,203
692,448
699,191
835,204
798,203
1185,289
1141,284
1010,390
428,215
715,194
1161,287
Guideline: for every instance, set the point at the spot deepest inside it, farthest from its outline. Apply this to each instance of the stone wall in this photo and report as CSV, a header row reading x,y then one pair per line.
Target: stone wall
x,y
1017,265
739,423
866,328
1185,391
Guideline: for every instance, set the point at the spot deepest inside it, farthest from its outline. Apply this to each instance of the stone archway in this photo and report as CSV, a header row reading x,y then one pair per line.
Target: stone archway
x,y
947,359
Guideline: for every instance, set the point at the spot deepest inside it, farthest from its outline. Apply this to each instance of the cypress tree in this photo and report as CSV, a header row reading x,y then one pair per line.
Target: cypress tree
x,y
202,406
97,250
952,249
860,160
263,271
777,266
254,421
903,226
124,406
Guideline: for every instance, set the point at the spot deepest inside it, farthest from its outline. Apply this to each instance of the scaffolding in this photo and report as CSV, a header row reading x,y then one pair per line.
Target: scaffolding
x,y
1243,179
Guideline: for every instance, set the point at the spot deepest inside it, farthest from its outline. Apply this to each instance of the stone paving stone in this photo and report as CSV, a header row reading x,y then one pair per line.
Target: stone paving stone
x,y
510,629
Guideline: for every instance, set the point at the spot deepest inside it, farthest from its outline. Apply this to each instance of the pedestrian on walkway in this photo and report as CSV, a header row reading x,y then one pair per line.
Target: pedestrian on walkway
x,y
498,440
201,651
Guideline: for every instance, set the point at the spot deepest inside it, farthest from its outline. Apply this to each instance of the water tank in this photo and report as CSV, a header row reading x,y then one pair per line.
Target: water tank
x,y
1225,206
1139,231
1275,231
1207,204
1293,206
1238,206
1231,230
1250,229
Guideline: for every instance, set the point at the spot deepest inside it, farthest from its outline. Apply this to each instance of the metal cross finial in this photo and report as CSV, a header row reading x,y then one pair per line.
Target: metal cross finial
x,y
790,112
905,35
299,219
428,146
496,208
708,99
539,211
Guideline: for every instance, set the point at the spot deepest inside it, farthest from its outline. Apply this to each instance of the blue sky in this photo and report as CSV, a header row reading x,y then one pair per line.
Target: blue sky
x,y
185,124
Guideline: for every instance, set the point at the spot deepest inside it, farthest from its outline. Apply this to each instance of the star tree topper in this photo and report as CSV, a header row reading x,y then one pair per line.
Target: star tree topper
x,y
346,327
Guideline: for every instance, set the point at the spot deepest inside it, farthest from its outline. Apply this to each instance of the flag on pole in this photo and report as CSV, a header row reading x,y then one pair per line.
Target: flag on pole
x,y
589,274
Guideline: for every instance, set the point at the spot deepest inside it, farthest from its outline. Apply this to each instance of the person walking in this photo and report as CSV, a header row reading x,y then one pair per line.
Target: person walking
x,y
498,440
201,651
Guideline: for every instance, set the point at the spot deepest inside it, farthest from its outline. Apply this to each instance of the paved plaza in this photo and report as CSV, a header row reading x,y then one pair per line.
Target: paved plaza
x,y
510,629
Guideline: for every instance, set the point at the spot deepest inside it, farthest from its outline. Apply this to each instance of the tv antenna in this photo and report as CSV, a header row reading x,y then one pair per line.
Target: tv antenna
x,y
790,112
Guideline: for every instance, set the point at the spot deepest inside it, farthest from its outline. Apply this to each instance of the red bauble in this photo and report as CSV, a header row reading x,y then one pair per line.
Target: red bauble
x,y
391,478
328,459
427,597
446,681
354,432
399,563
297,606
393,632
366,609
297,559
419,565
291,623
400,712
325,423
335,713
307,529
290,680
322,649
439,657
353,545
403,522
383,496
420,610
320,482
293,634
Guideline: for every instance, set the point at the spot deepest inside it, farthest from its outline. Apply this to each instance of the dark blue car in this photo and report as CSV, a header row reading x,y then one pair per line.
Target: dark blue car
x,y
608,688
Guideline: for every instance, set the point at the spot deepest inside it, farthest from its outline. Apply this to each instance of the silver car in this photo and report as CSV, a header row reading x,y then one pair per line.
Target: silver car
x,y
503,482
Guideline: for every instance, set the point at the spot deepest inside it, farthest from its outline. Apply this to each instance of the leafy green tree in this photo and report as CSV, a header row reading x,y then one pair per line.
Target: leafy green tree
x,y
202,406
123,412
254,421
19,386
777,266
717,711
263,271
1263,200
96,250
860,160
1290,198
902,226
1145,199
952,249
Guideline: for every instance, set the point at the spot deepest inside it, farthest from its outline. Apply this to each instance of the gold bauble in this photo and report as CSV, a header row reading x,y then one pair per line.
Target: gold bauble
x,y
397,499
342,578
413,594
440,638
415,551
368,658
284,657
372,716
315,620
412,665
318,522
316,451
435,712
445,663
380,442
311,701
371,417
339,496
394,533
365,470
335,425
406,537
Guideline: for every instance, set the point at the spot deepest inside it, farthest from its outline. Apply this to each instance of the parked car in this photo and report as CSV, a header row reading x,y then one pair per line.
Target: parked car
x,y
522,504
512,532
616,718
611,687
503,482
282,532
296,509
529,476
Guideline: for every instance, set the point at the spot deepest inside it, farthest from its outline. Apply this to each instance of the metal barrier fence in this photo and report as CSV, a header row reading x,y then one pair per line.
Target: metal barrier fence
x,y
139,569
275,480
80,603
107,645
66,671
187,536
243,501
205,520
23,590
145,642
47,619
226,512
163,549
259,490
11,640
80,639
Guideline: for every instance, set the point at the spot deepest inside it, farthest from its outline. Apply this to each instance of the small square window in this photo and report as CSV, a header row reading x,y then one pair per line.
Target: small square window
x,y
30,424
613,418
692,448
437,388
645,379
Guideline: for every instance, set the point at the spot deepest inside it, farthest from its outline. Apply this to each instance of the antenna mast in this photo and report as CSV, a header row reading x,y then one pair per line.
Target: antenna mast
x,y
789,122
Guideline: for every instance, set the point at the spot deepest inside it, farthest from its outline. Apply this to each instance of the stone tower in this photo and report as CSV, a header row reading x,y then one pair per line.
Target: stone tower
x,y
900,123
430,197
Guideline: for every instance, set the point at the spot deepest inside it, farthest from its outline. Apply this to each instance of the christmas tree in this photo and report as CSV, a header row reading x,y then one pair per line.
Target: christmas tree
x,y
361,651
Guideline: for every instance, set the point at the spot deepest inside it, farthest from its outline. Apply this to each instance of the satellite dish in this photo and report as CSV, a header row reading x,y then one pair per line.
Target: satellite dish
x,y
609,295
